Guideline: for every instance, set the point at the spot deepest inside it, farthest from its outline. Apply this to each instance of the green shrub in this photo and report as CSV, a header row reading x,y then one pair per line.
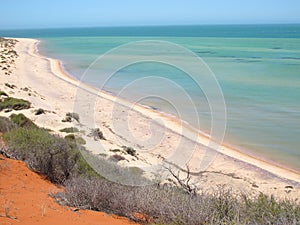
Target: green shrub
x,y
73,138
69,130
115,150
85,170
21,120
14,103
2,93
43,152
267,210
70,137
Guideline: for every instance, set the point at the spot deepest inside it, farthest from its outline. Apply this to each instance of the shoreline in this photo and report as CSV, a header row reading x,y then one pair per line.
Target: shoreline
x,y
225,149
67,86
227,146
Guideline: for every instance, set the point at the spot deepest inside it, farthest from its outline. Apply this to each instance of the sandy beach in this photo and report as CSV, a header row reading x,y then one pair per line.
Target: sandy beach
x,y
156,137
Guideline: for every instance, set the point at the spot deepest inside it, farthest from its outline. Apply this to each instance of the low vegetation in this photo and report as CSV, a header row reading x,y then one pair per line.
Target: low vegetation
x,y
57,158
7,42
21,120
42,152
39,111
7,55
14,103
62,162
170,205
11,86
70,117
6,124
75,139
69,130
2,93
97,134
129,150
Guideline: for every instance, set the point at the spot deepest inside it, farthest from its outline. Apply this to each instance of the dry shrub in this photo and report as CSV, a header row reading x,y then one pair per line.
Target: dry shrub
x,y
172,205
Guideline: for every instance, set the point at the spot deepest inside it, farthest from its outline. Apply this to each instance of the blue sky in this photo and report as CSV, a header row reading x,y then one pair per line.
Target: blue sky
x,y
17,14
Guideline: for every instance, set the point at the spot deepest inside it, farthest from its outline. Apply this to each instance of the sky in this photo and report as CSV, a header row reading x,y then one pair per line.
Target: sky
x,y
24,14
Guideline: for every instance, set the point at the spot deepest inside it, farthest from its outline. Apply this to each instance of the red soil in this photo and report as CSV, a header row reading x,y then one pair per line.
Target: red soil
x,y
24,199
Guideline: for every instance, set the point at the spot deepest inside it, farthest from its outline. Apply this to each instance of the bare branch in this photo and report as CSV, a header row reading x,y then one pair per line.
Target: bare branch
x,y
184,183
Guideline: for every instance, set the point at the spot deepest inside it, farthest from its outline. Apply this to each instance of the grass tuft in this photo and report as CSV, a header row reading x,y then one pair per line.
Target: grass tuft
x,y
69,130
14,103
2,93
21,120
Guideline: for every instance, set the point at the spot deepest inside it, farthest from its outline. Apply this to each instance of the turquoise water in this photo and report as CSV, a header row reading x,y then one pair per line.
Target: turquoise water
x,y
257,67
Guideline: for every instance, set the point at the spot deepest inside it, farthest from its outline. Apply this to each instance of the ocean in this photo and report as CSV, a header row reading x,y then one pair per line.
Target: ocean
x,y
256,66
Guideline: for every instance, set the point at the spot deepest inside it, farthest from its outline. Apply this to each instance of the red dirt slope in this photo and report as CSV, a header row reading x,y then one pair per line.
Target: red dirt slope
x,y
24,199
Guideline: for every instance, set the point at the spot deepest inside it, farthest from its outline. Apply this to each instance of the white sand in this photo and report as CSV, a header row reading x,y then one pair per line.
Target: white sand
x,y
155,136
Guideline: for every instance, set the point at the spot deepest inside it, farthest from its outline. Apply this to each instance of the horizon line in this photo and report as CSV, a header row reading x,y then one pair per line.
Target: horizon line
x,y
153,25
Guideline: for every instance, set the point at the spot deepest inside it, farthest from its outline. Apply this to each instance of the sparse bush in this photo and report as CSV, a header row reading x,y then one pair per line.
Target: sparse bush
x,y
267,210
14,103
21,120
170,205
75,116
97,134
129,150
160,204
39,111
69,130
67,119
12,86
70,116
